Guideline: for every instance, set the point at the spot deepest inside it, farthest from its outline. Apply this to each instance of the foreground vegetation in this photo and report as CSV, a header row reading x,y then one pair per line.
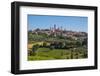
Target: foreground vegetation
x,y
43,47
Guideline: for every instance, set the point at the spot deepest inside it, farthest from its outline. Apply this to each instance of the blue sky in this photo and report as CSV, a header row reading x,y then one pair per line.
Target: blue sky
x,y
73,23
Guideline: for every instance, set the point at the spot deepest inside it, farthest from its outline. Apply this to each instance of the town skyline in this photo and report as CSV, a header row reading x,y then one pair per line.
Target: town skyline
x,y
69,23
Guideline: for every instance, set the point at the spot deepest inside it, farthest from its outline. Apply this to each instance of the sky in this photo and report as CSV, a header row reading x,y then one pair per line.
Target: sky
x,y
72,23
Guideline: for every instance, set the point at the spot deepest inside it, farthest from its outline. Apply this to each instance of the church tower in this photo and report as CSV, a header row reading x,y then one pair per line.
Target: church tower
x,y
54,29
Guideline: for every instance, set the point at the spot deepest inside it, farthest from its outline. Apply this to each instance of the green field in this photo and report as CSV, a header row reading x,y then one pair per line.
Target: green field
x,y
47,54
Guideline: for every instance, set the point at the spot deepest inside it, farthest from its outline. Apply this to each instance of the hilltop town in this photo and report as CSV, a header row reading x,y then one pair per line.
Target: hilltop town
x,y
60,31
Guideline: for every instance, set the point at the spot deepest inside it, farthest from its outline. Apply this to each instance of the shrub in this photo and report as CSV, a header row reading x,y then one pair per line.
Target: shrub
x,y
51,47
31,53
44,44
35,47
